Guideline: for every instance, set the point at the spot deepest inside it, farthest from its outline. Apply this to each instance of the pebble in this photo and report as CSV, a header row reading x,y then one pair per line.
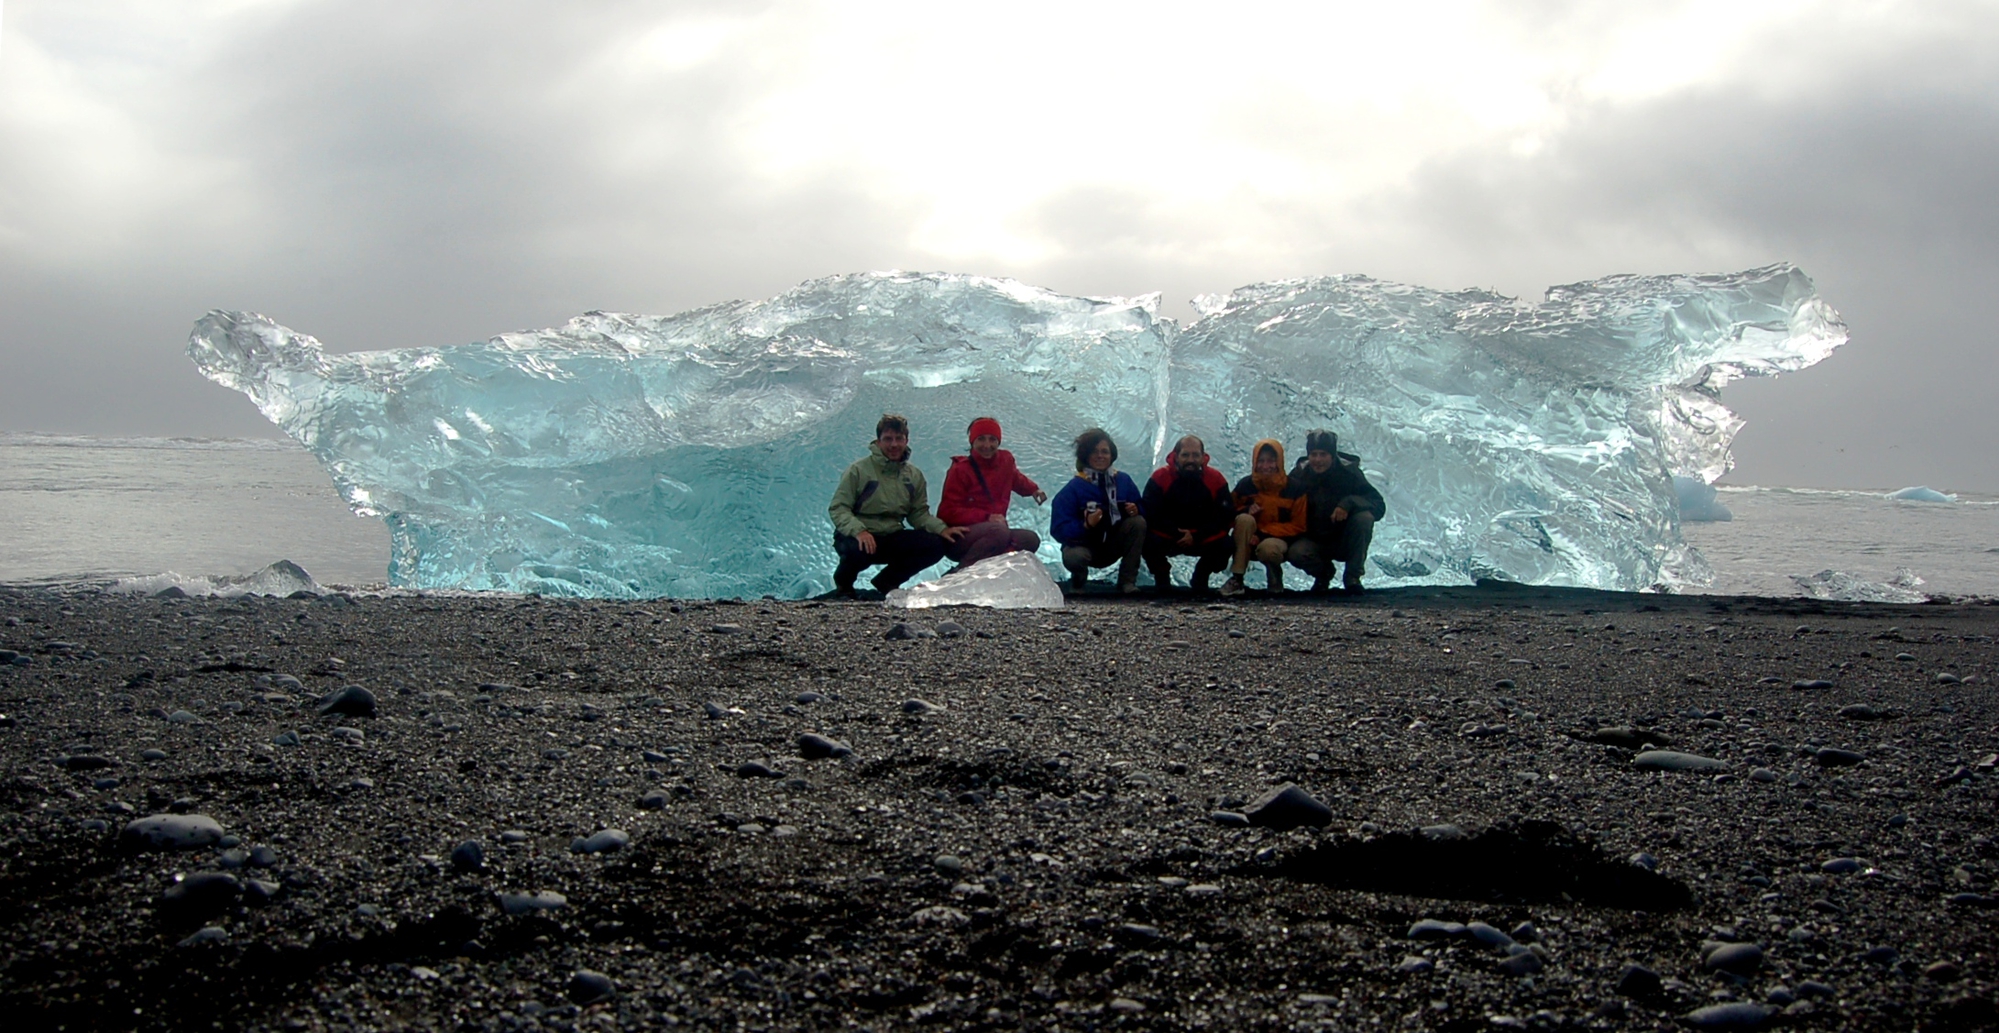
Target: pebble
x,y
603,841
1862,712
951,629
263,857
715,711
1641,859
1944,972
1638,981
1842,866
1762,775
948,864
205,934
1886,957
653,757
939,915
183,717
1443,833
1488,935
202,894
1831,758
655,800
469,856
587,987
1126,1006
1947,678
1525,963
170,832
1739,958
1138,932
1288,807
349,735
1231,819
285,739
1734,1015
512,837
1415,964
1812,683
1435,929
808,697
905,630
757,769
524,903
920,707
154,754
1673,760
813,746
350,701
726,629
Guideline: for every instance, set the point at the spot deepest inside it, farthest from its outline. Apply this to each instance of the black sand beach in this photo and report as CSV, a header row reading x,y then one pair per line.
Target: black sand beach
x,y
1053,838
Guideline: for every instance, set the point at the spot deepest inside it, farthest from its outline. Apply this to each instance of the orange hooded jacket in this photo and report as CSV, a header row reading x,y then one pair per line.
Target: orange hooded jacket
x,y
1284,506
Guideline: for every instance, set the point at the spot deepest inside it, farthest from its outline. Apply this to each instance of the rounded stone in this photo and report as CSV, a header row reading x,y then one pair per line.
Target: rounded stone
x,y
350,701
170,832
202,894
603,842
1739,958
587,987
468,856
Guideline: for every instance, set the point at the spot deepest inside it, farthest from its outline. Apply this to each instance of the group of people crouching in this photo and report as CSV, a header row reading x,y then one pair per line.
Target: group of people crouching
x,y
1319,514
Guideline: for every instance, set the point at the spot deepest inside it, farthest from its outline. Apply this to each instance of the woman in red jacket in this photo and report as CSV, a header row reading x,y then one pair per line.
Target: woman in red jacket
x,y
977,491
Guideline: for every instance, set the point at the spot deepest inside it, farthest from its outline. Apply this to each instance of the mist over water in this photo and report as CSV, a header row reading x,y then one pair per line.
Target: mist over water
x,y
87,509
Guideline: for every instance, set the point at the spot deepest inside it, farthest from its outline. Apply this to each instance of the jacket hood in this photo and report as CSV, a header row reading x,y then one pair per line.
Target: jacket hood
x,y
1271,482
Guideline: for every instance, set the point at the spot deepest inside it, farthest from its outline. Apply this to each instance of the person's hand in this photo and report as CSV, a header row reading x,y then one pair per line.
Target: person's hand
x,y
997,518
867,541
1093,517
1186,539
1130,508
949,534
1255,509
1040,497
1339,513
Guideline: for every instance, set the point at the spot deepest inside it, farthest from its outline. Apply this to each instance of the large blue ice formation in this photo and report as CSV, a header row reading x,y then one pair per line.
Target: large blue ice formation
x,y
692,455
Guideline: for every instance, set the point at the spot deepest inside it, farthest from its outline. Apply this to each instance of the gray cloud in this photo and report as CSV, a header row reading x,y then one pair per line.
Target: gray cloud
x,y
385,175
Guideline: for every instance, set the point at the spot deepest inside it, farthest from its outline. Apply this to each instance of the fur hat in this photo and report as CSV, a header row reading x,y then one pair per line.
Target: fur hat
x,y
1322,441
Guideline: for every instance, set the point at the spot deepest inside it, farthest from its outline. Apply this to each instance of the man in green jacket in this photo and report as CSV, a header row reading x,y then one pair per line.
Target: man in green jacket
x,y
877,494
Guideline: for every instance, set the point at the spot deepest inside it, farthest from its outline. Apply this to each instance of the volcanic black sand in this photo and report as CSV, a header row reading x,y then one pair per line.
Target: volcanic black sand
x,y
1041,823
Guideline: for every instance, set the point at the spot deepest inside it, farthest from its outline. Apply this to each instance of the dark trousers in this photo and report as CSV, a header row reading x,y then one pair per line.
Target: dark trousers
x,y
1213,555
1348,543
900,553
1121,545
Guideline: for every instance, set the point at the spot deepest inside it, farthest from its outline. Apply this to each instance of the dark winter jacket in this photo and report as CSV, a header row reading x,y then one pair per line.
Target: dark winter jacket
x,y
1342,486
1194,502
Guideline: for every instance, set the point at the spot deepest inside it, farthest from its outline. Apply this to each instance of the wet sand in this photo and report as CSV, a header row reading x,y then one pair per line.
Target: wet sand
x,y
1054,841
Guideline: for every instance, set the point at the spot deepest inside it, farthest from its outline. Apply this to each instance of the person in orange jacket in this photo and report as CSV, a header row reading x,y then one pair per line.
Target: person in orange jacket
x,y
978,489
1270,518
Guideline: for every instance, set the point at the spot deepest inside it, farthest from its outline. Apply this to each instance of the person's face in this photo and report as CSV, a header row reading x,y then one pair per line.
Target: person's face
x,y
1189,458
894,443
1319,460
985,445
1100,456
1266,462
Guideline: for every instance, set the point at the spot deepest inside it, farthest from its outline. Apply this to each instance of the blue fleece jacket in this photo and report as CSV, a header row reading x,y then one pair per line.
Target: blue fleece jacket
x,y
1065,517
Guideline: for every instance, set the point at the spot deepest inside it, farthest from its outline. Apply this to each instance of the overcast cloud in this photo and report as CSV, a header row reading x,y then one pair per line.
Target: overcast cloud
x,y
384,175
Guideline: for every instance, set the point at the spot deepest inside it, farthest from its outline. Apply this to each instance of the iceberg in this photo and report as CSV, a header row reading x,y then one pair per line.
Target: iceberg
x,y
1014,581
280,579
1921,494
636,456
1699,502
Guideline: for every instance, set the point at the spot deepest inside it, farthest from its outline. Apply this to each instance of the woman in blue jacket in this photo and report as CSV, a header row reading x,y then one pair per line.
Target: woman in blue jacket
x,y
1095,515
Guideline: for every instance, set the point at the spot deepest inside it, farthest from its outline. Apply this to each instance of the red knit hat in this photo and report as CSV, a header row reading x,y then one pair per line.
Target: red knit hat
x,y
983,425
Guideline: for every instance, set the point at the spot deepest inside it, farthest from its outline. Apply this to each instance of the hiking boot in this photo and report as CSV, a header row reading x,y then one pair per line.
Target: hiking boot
x,y
1352,588
1128,588
1321,585
883,587
1077,581
1233,586
1274,577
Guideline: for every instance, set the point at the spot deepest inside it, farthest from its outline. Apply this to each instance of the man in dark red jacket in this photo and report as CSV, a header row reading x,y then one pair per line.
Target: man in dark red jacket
x,y
977,491
1188,512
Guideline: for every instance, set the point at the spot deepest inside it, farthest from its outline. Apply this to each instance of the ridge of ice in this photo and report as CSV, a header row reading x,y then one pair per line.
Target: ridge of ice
x,y
692,454
1921,494
1013,581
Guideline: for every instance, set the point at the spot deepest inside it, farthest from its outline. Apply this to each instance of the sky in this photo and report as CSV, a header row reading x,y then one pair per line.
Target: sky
x,y
385,175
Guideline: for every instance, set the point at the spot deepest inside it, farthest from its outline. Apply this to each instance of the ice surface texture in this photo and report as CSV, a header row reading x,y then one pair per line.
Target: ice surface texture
x,y
1843,587
1015,581
692,455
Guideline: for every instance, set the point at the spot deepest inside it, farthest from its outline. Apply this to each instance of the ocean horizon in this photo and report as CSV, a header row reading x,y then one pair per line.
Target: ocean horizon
x,y
97,510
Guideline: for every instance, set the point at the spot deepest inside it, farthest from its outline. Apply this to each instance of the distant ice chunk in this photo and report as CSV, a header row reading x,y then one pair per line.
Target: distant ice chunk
x,y
278,580
693,455
1014,581
1843,587
1698,501
1921,494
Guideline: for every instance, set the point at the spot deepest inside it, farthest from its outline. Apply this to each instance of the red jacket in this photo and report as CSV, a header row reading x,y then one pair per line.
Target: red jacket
x,y
973,493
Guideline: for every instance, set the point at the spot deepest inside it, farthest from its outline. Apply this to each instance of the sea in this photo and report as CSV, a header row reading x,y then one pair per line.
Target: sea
x,y
83,511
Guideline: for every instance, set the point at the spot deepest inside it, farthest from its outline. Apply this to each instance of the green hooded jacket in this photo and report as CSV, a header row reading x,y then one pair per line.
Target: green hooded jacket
x,y
877,494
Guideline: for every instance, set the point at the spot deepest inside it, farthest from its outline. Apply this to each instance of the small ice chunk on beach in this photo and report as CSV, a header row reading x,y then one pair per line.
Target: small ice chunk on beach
x,y
1921,493
1839,586
280,579
1015,581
